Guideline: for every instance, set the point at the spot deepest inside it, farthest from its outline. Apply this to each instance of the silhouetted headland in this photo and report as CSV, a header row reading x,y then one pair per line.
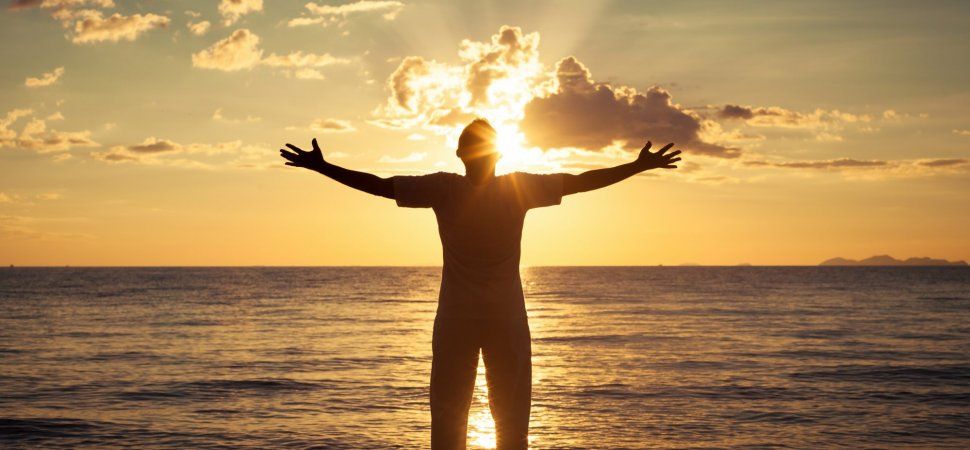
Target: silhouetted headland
x,y
886,260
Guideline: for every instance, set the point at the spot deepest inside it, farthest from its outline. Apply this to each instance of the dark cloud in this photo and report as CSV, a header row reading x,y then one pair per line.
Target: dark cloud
x,y
24,4
943,162
153,145
735,112
590,115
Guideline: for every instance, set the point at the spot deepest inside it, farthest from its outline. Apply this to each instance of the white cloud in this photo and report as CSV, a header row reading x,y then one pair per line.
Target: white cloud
x,y
94,27
232,10
47,79
34,135
237,52
328,14
199,28
241,51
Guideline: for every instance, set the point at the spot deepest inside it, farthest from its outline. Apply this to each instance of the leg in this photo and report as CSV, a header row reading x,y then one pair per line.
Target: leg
x,y
507,352
455,346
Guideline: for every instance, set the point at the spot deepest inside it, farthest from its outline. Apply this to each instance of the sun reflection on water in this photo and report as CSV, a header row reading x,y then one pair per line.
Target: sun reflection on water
x,y
481,427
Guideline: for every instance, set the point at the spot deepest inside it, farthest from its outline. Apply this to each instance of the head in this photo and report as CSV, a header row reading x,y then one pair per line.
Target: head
x,y
476,147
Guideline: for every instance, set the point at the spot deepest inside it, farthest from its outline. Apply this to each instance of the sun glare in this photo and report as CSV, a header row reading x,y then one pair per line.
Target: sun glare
x,y
481,427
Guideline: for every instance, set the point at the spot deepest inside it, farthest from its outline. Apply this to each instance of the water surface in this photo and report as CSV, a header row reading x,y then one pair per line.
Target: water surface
x,y
637,357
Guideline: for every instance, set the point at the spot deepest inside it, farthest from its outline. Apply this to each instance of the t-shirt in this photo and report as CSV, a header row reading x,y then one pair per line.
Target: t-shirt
x,y
481,231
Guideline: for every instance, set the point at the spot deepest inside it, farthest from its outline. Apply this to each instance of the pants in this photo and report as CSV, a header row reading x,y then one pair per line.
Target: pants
x,y
507,351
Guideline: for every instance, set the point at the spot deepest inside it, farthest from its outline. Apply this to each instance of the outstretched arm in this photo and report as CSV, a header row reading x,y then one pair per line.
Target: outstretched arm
x,y
362,181
599,178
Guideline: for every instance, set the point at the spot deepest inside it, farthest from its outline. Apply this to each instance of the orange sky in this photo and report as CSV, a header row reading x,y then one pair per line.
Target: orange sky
x,y
146,133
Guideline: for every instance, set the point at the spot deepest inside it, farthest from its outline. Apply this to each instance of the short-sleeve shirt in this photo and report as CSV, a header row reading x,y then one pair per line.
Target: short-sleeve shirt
x,y
481,231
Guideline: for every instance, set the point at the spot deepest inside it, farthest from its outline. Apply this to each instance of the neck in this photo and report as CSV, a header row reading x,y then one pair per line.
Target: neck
x,y
480,177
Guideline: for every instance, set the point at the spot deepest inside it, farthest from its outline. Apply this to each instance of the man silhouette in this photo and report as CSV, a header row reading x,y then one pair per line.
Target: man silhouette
x,y
480,302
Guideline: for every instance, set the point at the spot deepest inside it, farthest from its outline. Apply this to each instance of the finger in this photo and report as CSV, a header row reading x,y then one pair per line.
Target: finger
x,y
646,147
673,160
669,166
674,153
289,156
665,148
295,148
289,164
315,146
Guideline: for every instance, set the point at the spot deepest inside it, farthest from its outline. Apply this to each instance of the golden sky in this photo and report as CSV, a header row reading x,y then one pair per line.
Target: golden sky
x,y
147,132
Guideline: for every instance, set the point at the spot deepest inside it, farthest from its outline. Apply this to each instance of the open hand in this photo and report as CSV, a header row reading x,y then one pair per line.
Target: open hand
x,y
312,159
658,159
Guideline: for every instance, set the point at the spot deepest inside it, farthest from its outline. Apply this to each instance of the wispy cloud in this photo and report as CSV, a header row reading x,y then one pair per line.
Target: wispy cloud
x,y
219,117
155,151
329,14
327,126
47,79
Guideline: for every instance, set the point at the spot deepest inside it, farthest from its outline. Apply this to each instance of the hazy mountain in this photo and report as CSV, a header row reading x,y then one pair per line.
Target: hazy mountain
x,y
886,260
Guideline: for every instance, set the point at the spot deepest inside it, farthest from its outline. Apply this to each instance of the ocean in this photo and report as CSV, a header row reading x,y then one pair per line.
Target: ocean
x,y
624,357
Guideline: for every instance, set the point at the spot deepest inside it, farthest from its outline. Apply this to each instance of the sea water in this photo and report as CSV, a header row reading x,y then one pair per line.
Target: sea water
x,y
624,357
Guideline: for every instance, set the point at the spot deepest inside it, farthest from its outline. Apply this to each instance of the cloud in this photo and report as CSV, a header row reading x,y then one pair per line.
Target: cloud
x,y
153,145
495,79
35,136
94,27
328,14
773,116
961,132
89,25
873,169
241,51
821,164
503,80
303,65
47,79
199,28
237,52
232,10
943,162
326,126
218,117
56,5
413,157
163,152
331,126
590,115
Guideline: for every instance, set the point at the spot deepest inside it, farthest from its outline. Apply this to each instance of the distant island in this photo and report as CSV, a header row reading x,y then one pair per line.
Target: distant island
x,y
886,260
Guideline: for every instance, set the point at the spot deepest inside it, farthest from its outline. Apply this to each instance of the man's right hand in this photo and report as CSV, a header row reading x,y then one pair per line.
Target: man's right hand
x,y
312,159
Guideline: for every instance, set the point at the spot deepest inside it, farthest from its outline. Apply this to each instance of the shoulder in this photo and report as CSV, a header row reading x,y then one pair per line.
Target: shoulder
x,y
533,177
436,176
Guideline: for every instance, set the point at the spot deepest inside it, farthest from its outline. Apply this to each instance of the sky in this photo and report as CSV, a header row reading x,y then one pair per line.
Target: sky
x,y
147,132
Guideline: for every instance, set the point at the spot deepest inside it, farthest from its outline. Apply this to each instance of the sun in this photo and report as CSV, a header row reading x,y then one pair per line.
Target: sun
x,y
516,154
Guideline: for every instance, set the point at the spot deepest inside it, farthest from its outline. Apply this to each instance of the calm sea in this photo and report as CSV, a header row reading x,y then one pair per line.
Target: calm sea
x,y
639,357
